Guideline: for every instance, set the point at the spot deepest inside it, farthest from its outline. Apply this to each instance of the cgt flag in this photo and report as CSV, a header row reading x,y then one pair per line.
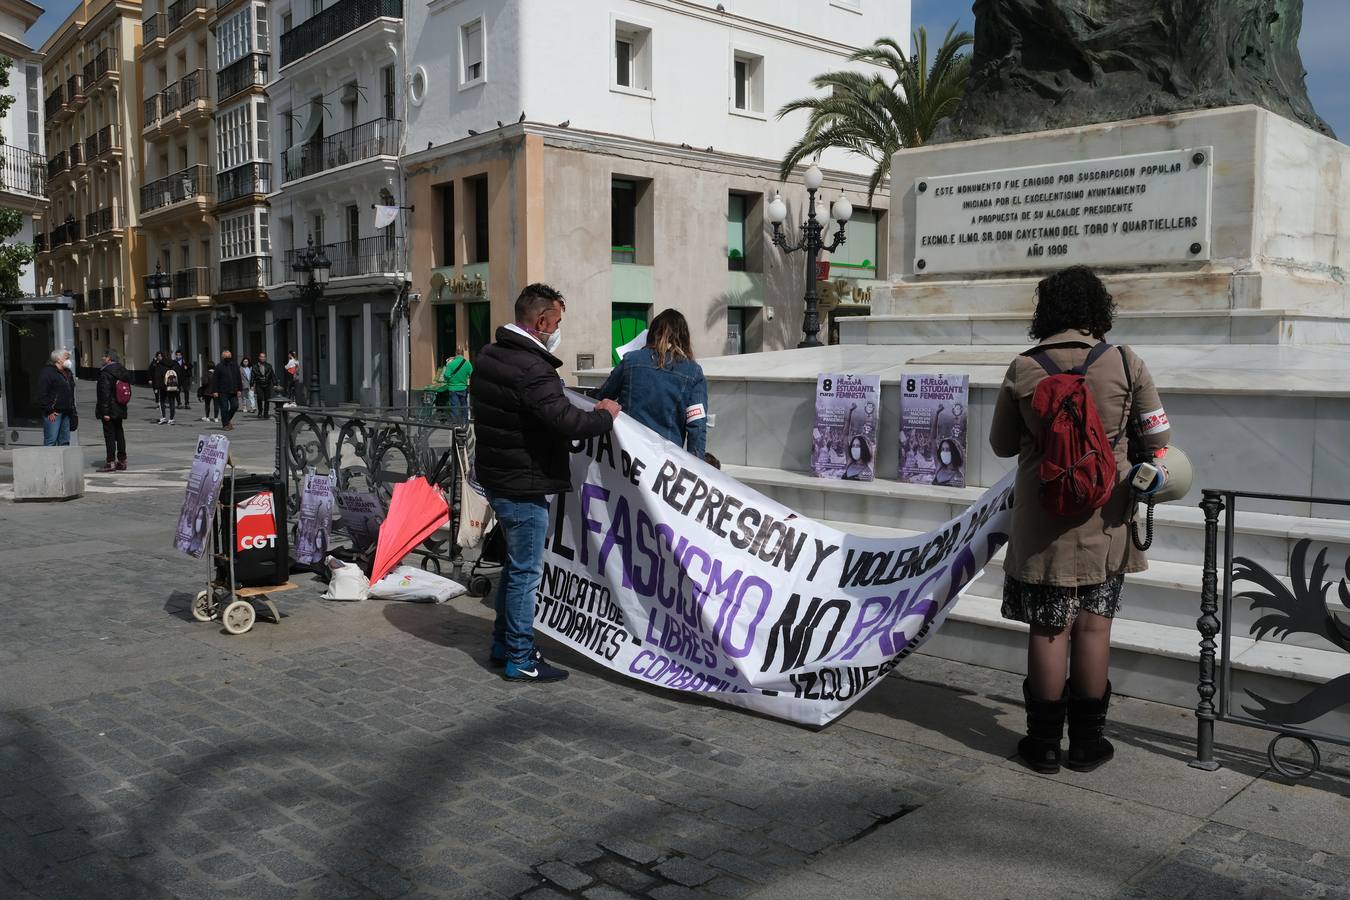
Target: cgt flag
x,y
662,568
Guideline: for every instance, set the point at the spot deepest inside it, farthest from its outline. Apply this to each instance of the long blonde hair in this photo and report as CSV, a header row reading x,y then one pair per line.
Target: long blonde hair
x,y
668,338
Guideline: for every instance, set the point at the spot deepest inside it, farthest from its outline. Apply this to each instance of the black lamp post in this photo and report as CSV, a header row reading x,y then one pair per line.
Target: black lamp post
x,y
158,285
813,230
312,268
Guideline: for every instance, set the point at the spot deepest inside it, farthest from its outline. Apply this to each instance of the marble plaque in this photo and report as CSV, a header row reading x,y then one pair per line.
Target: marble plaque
x,y
1149,208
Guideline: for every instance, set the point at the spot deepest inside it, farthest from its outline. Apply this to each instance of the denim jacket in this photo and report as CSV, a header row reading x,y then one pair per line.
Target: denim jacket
x,y
672,401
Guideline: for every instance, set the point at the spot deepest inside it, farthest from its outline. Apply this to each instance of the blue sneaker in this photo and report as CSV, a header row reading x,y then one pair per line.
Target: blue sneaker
x,y
498,656
534,670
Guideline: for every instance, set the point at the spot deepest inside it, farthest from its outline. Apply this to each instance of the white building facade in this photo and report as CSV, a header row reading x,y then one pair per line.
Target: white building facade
x,y
624,151
23,162
335,99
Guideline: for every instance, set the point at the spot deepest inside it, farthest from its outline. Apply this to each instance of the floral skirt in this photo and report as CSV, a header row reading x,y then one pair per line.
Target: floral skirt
x,y
1055,606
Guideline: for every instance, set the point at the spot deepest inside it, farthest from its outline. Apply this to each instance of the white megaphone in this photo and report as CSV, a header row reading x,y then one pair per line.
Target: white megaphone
x,y
1167,477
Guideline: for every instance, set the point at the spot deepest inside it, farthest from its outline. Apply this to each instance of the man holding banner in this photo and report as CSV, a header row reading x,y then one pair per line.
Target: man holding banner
x,y
524,426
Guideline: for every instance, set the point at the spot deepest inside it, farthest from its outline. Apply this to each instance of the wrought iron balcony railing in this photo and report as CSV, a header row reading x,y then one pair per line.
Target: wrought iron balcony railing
x,y
55,100
100,222
368,256
341,18
75,87
181,10
241,75
23,171
76,153
250,273
57,164
254,178
182,92
194,282
378,137
154,27
194,181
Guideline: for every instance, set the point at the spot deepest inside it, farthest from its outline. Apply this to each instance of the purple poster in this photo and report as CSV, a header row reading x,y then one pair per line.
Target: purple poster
x,y
933,429
844,439
316,519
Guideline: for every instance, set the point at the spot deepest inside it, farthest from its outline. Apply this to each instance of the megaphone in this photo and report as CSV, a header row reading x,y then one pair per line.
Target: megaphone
x,y
1168,476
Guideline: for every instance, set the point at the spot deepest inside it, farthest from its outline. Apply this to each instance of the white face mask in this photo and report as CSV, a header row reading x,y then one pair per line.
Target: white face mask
x,y
553,340
856,452
946,458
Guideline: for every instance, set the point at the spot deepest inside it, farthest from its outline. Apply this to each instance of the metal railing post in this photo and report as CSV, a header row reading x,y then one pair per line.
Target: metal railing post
x,y
1208,625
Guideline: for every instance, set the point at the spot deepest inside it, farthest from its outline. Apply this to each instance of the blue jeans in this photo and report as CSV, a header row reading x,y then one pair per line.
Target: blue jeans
x,y
524,524
228,404
459,407
56,434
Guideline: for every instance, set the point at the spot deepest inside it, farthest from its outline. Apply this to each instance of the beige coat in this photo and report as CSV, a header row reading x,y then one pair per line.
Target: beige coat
x,y
1045,548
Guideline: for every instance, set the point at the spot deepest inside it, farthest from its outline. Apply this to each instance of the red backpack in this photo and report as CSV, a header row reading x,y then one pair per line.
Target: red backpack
x,y
122,392
1078,463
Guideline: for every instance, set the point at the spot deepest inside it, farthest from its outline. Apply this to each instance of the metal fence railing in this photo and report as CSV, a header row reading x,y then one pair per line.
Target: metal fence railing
x,y
378,137
332,23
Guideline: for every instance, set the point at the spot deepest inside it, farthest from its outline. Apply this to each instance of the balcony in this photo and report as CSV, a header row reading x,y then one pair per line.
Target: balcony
x,y
76,156
187,13
178,107
102,225
241,75
153,32
338,20
55,103
65,233
253,273
57,166
103,148
97,72
23,179
190,283
75,91
378,137
245,181
40,243
98,299
378,255
187,191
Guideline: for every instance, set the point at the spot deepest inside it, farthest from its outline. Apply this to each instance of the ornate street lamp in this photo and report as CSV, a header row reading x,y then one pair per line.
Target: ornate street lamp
x,y
158,285
312,268
813,230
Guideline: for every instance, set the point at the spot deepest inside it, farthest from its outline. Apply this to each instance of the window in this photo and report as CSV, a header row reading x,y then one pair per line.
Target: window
x,y
623,221
858,257
317,231
387,80
234,137
735,330
264,238
478,190
447,195
736,214
632,58
471,52
747,76
233,38
260,27
353,227
315,7
34,80
286,22
264,132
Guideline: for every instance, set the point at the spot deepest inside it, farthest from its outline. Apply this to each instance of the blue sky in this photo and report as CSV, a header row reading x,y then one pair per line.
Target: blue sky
x,y
1325,23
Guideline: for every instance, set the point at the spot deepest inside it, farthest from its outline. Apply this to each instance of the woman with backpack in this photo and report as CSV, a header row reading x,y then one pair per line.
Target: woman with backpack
x,y
169,382
113,393
206,393
1070,548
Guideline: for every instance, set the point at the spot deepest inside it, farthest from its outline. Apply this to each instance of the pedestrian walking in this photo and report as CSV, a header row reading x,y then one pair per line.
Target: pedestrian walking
x,y
292,377
1063,573
157,364
662,387
169,381
264,380
56,393
524,426
113,393
206,392
185,373
246,375
228,385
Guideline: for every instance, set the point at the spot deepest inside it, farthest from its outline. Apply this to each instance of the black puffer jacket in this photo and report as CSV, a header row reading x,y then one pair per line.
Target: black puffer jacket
x,y
522,420
56,390
106,392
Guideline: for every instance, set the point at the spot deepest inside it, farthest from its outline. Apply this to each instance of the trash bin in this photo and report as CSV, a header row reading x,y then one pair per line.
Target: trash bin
x,y
256,532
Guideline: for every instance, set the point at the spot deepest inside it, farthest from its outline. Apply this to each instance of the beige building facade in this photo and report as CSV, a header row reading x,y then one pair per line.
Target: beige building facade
x,y
92,125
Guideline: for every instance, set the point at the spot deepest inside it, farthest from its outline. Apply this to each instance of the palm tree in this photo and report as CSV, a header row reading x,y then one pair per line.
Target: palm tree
x,y
876,114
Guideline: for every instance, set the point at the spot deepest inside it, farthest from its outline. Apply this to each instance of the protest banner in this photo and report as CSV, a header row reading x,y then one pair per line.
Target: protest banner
x,y
316,518
844,439
933,429
662,568
203,491
362,514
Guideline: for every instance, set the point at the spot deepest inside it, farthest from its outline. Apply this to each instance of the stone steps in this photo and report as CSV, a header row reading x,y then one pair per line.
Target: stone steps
x,y
1153,327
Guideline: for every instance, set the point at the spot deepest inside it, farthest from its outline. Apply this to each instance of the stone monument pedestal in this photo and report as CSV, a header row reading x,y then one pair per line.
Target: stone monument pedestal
x,y
48,473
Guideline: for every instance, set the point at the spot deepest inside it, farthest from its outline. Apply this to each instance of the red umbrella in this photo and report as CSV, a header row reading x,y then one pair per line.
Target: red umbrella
x,y
415,511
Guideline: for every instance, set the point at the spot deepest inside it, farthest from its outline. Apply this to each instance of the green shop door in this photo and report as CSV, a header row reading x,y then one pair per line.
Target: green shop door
x,y
479,315
445,334
629,320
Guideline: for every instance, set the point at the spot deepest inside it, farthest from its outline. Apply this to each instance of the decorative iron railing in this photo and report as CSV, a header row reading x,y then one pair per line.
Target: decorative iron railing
x,y
378,137
107,139
193,282
194,181
100,222
250,273
241,75
75,87
181,10
153,28
55,100
254,178
341,18
23,171
76,154
1298,610
368,256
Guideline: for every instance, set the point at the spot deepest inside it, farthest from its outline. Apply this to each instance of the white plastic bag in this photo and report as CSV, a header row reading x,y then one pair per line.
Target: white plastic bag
x,y
348,582
413,584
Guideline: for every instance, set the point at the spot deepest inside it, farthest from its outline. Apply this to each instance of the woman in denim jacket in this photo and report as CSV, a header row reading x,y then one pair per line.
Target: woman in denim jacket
x,y
662,387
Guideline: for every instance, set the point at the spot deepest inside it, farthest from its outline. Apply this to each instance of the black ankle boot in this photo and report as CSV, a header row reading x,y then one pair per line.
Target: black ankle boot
x,y
1087,719
1045,728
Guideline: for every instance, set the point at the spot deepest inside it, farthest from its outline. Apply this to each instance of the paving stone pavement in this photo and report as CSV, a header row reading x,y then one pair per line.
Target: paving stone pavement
x,y
367,750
